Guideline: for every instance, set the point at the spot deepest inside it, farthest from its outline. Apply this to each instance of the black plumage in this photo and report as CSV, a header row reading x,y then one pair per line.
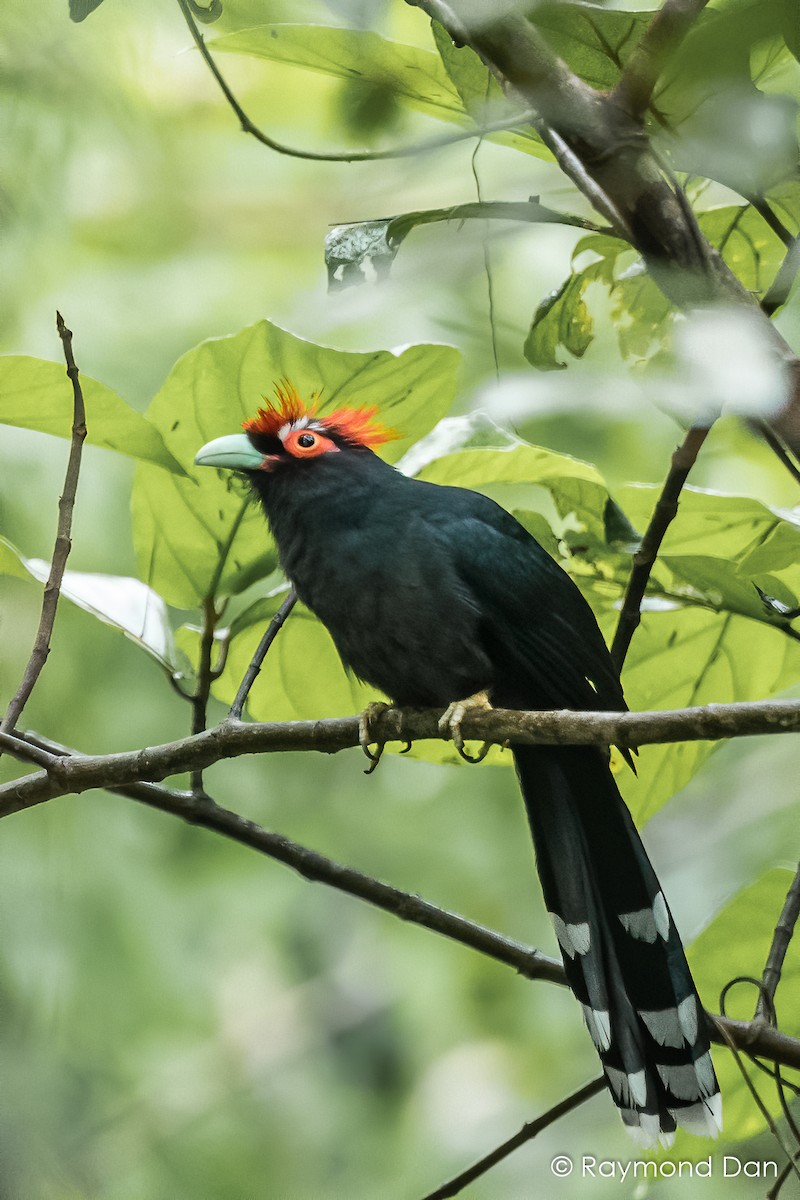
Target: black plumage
x,y
432,594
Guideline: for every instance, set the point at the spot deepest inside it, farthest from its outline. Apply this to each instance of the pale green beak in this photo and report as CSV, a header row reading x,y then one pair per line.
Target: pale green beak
x,y
235,451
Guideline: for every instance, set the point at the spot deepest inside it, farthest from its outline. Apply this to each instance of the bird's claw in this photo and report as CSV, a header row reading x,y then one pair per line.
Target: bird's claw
x,y
450,724
370,714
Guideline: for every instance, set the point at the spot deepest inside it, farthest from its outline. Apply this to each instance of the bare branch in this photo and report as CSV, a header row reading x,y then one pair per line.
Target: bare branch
x,y
500,726
63,544
657,46
526,1134
753,1037
251,674
509,122
780,944
664,512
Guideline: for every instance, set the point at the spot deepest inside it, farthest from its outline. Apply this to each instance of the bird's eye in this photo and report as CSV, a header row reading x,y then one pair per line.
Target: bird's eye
x,y
305,440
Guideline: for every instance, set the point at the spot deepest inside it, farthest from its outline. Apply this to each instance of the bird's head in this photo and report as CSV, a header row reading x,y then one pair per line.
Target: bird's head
x,y
288,432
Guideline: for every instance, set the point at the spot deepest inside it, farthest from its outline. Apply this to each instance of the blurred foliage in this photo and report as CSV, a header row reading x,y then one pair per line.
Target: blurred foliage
x,y
180,1017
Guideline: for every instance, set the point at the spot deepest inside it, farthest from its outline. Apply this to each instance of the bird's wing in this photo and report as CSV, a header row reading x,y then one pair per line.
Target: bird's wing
x,y
540,633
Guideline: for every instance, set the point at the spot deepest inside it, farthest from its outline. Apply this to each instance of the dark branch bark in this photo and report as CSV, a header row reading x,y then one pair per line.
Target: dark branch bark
x,y
664,513
605,151
752,1037
780,944
63,545
251,674
232,739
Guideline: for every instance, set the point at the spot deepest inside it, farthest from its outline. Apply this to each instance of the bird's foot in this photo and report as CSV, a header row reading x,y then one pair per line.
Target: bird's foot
x,y
450,724
365,736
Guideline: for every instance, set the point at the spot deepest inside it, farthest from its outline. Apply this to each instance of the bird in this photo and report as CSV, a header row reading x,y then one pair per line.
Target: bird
x,y
439,597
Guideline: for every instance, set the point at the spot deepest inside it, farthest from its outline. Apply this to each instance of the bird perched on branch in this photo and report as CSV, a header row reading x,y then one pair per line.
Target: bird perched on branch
x,y
437,596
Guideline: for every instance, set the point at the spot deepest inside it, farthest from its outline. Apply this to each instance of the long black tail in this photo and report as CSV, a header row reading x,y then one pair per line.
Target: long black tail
x,y
622,953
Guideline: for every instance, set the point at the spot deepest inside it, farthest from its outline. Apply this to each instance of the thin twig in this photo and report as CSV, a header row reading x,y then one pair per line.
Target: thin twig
x,y
575,170
231,739
727,1040
251,674
780,944
508,123
753,1037
63,544
202,690
778,449
526,1134
777,1186
657,45
768,214
665,510
24,749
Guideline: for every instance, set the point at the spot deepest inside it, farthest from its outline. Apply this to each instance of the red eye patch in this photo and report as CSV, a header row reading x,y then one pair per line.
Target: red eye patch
x,y
308,443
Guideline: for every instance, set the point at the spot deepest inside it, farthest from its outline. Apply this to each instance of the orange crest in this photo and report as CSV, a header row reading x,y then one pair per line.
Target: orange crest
x,y
356,425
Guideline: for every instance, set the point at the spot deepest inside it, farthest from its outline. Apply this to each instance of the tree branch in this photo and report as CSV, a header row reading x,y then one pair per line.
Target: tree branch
x,y
251,674
664,513
657,46
346,156
526,1134
605,151
777,951
754,1037
232,739
63,544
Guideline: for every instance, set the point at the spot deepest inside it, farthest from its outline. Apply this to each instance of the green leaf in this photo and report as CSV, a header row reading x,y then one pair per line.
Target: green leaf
x,y
79,9
595,41
198,535
36,394
736,943
348,248
706,635
481,94
750,248
576,489
688,657
715,104
11,561
124,603
562,320
415,74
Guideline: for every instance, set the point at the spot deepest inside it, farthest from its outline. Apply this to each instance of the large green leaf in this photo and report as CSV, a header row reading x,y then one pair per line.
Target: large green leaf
x,y
721,550
594,40
576,488
413,73
563,321
36,394
481,94
684,657
716,97
751,249
199,535
736,943
124,603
